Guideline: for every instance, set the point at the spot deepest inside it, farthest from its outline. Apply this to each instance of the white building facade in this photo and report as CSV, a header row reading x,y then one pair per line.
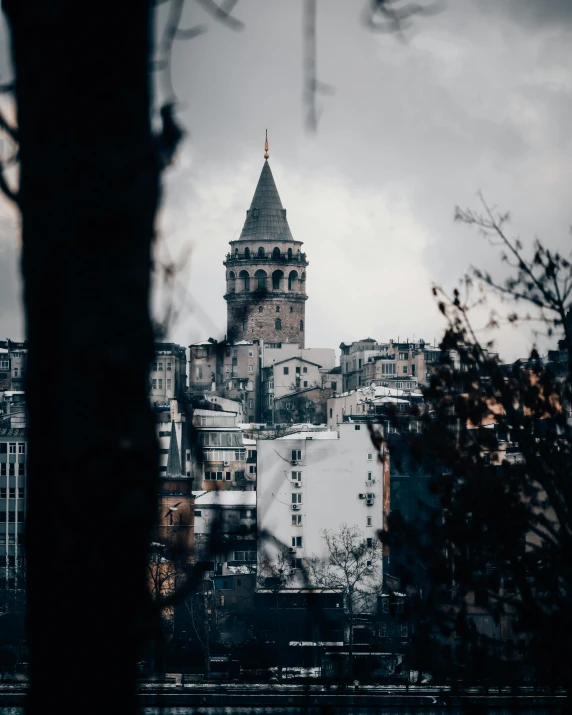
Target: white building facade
x,y
311,481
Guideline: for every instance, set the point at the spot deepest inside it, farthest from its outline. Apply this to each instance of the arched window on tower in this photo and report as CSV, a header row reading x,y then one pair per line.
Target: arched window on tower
x,y
278,324
301,326
247,253
289,254
260,309
277,277
245,280
276,253
303,277
260,252
231,282
236,252
292,279
291,308
260,276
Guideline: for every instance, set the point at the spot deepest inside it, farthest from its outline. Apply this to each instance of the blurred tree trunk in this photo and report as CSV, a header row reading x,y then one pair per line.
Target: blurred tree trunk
x,y
88,197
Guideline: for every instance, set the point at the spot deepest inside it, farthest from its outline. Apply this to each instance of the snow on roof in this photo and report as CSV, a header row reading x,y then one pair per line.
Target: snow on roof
x,y
244,342
248,442
201,342
224,498
392,400
326,434
3,350
213,413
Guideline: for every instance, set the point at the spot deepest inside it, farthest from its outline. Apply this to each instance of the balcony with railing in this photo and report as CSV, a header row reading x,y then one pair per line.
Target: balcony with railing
x,y
238,259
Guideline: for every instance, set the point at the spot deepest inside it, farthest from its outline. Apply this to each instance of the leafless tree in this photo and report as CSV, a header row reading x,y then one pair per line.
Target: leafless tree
x,y
353,563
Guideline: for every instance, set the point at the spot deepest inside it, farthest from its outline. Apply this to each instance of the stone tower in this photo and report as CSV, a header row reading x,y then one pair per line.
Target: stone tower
x,y
266,273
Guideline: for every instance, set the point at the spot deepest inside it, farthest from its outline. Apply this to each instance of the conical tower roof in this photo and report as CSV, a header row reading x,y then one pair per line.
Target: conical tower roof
x,y
173,460
266,218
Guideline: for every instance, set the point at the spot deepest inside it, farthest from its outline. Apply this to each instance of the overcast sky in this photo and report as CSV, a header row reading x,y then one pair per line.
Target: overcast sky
x,y
478,97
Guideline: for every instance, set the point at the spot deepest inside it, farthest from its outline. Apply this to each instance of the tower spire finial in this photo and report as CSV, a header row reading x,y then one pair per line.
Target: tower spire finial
x,y
266,154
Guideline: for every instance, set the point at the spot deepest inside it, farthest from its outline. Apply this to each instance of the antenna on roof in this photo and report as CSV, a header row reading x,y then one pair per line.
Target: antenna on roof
x,y
266,154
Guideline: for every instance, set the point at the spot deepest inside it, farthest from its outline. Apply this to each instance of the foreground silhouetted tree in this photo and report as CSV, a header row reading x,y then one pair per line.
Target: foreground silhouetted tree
x,y
88,193
498,439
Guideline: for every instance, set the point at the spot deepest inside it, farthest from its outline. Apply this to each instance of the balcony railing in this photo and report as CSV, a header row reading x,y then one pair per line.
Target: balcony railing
x,y
254,258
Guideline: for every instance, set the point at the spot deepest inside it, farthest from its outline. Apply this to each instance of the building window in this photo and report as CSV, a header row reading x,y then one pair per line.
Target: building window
x,y
370,456
296,476
12,492
405,369
305,383
227,475
296,498
277,308
369,476
291,309
260,309
245,324
369,543
160,381
297,542
278,324
159,366
331,411
154,384
301,326
251,369
296,519
296,455
198,512
261,252
169,367
168,383
2,492
369,521
304,369
286,370
334,386
357,427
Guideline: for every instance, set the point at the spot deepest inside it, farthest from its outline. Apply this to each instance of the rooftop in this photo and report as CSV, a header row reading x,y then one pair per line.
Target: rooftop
x,y
266,218
325,434
224,498
12,432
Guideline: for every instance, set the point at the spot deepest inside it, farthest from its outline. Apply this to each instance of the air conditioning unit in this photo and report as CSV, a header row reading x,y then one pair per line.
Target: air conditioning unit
x,y
369,502
298,484
362,496
371,496
226,464
295,507
292,550
294,462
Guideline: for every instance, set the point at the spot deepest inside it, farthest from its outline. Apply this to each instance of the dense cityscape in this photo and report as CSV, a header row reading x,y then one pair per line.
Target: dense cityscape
x,y
285,479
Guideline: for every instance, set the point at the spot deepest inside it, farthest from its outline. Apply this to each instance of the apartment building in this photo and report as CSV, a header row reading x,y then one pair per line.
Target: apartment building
x,y
13,493
231,370
219,453
168,373
314,480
